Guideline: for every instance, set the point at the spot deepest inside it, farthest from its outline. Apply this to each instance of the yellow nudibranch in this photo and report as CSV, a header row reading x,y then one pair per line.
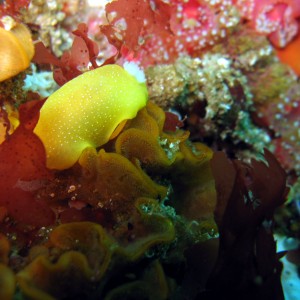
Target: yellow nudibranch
x,y
86,110
16,50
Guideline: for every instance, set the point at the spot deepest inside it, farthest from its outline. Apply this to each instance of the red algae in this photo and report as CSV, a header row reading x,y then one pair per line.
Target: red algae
x,y
13,7
81,57
275,18
134,25
159,32
172,122
22,171
246,203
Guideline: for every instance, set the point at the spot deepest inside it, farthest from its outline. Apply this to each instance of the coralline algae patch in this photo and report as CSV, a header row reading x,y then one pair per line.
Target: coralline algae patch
x,y
202,82
260,96
181,28
197,26
162,31
276,19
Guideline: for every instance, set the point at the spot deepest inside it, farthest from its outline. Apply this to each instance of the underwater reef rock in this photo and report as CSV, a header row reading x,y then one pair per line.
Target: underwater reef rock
x,y
126,191
153,206
130,215
238,97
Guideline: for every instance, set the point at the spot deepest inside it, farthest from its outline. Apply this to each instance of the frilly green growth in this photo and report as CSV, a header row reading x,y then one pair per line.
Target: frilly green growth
x,y
7,276
153,285
146,195
86,111
141,149
7,283
80,254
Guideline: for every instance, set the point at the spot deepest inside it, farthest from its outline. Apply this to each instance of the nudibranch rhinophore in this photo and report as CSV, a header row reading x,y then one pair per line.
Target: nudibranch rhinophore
x,y
86,110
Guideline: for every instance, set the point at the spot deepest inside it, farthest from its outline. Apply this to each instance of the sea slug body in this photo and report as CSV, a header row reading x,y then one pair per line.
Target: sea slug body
x,y
85,112
16,50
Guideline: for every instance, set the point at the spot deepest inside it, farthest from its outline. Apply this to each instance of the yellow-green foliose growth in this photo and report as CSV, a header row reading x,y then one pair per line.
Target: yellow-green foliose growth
x,y
85,112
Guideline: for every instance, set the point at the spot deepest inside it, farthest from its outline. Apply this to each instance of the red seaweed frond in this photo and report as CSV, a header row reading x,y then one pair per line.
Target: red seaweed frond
x,y
278,19
132,23
24,153
12,7
81,57
160,32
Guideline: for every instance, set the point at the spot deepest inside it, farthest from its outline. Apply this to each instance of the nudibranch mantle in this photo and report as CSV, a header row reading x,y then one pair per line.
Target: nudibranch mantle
x,y
85,112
